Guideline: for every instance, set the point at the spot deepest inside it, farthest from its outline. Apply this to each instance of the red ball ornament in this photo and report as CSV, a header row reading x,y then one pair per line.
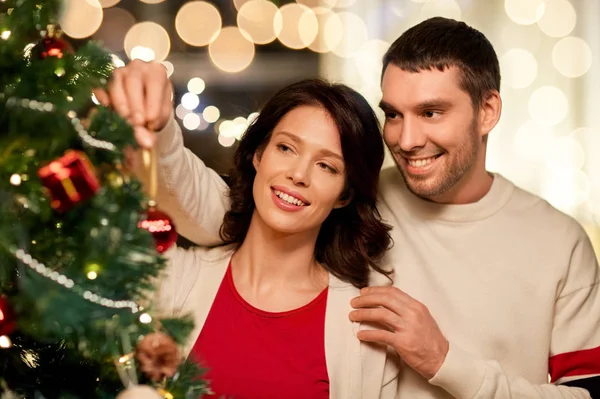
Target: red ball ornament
x,y
52,47
8,319
160,225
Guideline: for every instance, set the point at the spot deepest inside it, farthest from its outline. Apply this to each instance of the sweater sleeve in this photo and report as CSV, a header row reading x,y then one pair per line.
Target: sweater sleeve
x,y
194,195
175,282
574,355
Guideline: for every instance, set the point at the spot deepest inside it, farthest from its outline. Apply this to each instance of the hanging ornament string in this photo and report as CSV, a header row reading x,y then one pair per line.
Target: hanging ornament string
x,y
42,106
66,282
158,223
150,165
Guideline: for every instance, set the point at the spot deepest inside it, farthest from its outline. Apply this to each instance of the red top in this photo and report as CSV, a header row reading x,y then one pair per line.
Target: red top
x,y
251,353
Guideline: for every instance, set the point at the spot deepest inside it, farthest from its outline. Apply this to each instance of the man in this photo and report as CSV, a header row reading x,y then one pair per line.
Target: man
x,y
494,289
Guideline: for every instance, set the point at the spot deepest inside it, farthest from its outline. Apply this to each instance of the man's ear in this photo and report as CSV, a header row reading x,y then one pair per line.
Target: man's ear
x,y
489,112
344,200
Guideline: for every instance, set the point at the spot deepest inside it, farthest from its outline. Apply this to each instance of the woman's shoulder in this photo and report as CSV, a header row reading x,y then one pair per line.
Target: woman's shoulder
x,y
204,255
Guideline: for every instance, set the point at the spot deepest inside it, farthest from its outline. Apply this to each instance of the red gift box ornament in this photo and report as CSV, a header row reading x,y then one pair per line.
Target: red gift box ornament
x,y
70,180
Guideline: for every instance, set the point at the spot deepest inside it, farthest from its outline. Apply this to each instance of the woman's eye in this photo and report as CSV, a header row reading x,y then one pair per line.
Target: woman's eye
x,y
327,168
283,147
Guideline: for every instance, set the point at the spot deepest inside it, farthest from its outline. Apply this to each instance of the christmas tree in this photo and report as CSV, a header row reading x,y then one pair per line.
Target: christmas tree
x,y
79,240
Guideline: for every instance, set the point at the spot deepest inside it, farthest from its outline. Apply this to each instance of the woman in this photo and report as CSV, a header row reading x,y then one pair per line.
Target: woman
x,y
271,308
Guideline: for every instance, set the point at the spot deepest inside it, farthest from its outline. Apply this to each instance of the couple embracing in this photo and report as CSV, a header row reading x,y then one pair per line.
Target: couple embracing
x,y
317,276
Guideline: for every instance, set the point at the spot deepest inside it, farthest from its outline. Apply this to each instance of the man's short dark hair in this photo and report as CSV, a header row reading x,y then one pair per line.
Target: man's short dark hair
x,y
442,43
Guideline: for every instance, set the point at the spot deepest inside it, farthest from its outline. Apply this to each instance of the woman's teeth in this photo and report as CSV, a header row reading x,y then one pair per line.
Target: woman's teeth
x,y
288,198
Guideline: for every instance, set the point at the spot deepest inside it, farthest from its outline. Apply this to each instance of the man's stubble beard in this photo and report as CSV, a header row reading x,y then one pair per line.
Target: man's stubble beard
x,y
462,161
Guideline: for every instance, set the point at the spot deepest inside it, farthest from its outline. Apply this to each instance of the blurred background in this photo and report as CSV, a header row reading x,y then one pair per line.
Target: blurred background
x,y
226,57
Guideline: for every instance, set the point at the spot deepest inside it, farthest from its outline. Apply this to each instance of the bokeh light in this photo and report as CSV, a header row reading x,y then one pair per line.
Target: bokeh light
x,y
190,101
369,61
564,153
108,3
198,23
339,3
559,18
196,85
115,25
181,111
348,37
80,19
548,106
295,25
151,36
326,40
239,3
530,140
519,68
572,57
256,19
524,12
316,3
526,37
231,51
226,141
191,121
566,189
211,114
142,53
169,67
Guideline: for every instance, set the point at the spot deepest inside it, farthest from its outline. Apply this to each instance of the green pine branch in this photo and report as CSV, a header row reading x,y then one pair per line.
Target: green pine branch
x,y
65,345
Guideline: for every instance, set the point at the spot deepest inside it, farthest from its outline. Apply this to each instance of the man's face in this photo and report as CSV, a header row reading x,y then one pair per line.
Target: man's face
x,y
431,130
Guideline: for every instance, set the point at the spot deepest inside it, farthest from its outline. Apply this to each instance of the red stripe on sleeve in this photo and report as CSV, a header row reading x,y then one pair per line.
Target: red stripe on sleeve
x,y
583,362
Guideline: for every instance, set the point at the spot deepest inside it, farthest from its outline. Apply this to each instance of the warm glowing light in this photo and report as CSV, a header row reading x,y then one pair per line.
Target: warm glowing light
x,y
349,31
321,44
181,111
196,85
524,12
211,114
226,141
145,318
572,57
191,121
548,106
519,68
169,67
231,51
296,26
5,342
15,180
115,25
81,19
151,36
198,23
255,19
369,61
190,101
142,53
559,18
108,3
